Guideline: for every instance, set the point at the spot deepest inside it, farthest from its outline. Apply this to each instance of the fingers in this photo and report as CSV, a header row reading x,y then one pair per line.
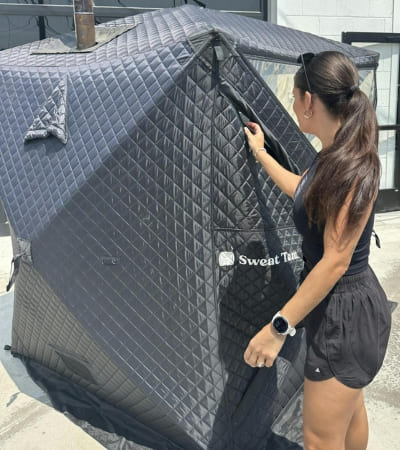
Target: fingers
x,y
259,360
248,357
263,348
251,358
269,362
249,133
255,136
254,127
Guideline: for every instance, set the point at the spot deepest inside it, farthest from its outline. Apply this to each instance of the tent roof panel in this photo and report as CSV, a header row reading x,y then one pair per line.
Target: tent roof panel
x,y
166,27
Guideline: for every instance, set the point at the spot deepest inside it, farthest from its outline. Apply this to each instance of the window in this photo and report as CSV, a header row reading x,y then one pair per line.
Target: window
x,y
279,78
387,111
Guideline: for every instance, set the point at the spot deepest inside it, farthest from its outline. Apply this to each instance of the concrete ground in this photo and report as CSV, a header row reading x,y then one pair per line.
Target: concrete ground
x,y
28,422
383,395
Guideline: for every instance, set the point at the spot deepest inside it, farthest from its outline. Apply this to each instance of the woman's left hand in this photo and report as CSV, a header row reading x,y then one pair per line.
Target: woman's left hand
x,y
264,348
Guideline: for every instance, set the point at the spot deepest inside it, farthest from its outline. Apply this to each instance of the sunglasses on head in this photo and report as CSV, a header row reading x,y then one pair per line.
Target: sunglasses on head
x,y
304,59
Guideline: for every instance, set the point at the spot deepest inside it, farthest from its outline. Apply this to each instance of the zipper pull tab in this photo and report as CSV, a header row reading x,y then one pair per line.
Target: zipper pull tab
x,y
219,53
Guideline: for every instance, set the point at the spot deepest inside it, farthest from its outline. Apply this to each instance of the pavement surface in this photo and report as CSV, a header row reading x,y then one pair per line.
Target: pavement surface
x,y
28,422
383,394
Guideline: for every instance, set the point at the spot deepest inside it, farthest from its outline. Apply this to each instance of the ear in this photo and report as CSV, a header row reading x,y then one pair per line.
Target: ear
x,y
308,100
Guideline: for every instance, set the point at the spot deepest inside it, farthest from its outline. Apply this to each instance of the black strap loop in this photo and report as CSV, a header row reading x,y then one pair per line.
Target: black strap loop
x,y
377,240
13,273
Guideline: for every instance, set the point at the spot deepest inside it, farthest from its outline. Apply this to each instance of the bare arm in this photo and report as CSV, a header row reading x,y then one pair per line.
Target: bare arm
x,y
284,179
338,250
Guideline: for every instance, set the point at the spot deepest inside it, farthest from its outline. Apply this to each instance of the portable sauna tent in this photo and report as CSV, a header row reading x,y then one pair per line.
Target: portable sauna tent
x,y
150,245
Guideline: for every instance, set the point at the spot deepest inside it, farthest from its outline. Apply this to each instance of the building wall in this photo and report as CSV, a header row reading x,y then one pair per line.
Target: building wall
x,y
329,19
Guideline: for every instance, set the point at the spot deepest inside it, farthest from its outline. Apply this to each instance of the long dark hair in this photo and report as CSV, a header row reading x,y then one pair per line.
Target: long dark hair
x,y
351,163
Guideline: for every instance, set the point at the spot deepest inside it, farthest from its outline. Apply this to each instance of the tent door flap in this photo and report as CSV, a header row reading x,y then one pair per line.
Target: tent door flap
x,y
246,113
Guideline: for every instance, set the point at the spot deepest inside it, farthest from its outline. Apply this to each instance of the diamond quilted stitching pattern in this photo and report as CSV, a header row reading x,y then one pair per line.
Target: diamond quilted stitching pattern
x,y
245,199
164,28
236,177
145,206
42,323
247,81
103,104
143,182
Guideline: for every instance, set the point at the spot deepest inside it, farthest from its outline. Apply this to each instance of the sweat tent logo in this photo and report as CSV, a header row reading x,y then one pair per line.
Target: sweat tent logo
x,y
228,259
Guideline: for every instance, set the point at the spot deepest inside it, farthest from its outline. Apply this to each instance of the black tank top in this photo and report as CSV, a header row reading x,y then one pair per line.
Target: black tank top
x,y
313,238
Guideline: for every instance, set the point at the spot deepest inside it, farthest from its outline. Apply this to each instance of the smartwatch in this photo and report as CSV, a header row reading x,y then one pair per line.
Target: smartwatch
x,y
282,326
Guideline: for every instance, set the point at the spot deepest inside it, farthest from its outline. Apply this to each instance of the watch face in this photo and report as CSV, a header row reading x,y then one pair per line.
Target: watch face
x,y
280,325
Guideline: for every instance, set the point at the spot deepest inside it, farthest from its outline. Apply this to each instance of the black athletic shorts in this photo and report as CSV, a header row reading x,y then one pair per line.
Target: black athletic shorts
x,y
348,332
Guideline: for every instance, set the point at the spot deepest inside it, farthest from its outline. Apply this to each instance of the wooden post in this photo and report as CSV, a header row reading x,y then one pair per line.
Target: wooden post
x,y
84,24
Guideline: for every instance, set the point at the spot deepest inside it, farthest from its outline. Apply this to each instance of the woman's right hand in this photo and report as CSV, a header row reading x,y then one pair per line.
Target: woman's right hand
x,y
255,136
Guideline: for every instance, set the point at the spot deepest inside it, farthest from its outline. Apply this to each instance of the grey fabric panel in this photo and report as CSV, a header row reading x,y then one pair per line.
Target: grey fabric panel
x,y
104,105
247,81
44,329
245,196
128,219
99,98
163,28
158,311
149,207
249,295
52,117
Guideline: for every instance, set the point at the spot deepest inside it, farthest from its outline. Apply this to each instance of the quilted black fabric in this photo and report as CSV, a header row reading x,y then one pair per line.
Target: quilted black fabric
x,y
129,213
167,27
52,118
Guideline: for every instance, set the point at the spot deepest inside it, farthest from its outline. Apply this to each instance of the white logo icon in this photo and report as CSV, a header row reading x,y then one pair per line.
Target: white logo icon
x,y
226,259
317,370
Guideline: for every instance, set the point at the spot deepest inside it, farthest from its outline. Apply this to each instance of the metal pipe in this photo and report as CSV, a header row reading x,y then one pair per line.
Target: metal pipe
x,y
41,24
84,24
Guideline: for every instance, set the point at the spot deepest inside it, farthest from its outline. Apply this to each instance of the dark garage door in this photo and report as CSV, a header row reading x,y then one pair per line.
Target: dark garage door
x,y
21,22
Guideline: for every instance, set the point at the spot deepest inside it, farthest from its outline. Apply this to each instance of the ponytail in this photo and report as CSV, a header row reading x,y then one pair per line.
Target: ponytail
x,y
351,164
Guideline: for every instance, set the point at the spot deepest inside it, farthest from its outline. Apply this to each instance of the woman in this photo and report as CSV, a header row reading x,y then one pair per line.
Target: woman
x,y
345,311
